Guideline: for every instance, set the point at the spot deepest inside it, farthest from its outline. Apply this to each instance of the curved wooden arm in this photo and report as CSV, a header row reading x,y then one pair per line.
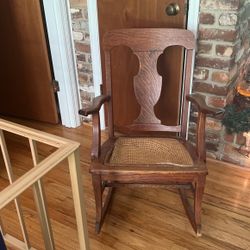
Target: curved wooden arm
x,y
96,105
94,110
199,101
203,110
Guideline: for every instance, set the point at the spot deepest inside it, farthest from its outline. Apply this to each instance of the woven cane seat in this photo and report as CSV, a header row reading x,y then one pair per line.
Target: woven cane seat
x,y
131,151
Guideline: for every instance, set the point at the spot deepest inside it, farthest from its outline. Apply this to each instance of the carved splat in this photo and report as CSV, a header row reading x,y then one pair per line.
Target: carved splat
x,y
147,44
147,86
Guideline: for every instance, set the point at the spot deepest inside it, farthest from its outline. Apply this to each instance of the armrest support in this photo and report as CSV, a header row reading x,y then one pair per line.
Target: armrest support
x,y
94,110
203,110
96,105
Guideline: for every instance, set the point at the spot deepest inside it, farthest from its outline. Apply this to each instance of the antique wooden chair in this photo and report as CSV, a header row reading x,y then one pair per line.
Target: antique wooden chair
x,y
153,159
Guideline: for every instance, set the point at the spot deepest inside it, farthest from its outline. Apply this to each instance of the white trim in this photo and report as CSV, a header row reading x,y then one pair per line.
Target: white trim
x,y
95,52
192,24
193,16
57,15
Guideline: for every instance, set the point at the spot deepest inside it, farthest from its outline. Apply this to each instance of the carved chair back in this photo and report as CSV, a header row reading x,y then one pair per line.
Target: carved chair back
x,y
148,44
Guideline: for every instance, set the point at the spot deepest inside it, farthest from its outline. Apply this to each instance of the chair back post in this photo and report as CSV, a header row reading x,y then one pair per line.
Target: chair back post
x,y
107,57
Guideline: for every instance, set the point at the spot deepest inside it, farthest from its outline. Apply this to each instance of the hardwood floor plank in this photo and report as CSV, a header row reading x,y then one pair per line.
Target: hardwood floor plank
x,y
139,218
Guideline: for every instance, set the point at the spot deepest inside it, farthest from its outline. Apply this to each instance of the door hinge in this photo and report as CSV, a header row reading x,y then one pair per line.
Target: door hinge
x,y
55,84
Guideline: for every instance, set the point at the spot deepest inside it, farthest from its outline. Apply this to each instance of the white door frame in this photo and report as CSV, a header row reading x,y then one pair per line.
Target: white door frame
x,y
192,24
95,52
58,21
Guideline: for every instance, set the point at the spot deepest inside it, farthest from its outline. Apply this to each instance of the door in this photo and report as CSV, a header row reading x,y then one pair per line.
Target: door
x,y
26,88
115,14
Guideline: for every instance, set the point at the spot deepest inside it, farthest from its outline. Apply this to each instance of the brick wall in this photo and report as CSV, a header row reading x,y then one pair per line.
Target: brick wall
x,y
223,48
80,28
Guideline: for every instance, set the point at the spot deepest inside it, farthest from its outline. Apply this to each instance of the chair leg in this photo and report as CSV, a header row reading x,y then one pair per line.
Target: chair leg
x,y
97,186
194,214
102,205
198,194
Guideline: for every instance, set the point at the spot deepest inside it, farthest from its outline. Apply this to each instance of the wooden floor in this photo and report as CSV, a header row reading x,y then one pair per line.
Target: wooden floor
x,y
139,218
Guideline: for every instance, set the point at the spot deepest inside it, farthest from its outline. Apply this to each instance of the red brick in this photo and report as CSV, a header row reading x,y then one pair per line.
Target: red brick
x,y
78,36
220,76
213,124
81,47
83,78
212,146
204,48
212,137
77,4
240,139
209,88
230,150
206,18
192,129
229,137
76,13
81,57
220,4
224,50
218,34
217,102
228,19
87,97
201,74
214,63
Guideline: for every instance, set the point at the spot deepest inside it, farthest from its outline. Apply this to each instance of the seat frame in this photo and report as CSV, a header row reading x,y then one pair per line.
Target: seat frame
x,y
148,44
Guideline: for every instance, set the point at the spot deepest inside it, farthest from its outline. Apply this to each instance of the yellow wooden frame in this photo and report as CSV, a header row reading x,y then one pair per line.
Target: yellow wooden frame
x,y
65,149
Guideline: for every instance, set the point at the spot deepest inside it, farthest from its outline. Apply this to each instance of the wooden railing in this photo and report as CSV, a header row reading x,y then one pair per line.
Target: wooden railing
x,y
64,149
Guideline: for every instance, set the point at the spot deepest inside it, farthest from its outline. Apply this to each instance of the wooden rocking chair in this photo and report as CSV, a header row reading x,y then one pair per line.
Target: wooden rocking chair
x,y
151,158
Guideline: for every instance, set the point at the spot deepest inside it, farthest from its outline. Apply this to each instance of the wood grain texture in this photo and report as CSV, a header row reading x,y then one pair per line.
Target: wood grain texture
x,y
9,170
26,88
139,218
158,39
96,105
32,178
124,14
147,83
147,44
41,203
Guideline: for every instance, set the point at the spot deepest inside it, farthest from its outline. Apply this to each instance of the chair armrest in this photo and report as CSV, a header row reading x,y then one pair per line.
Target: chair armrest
x,y
199,101
94,111
96,105
203,110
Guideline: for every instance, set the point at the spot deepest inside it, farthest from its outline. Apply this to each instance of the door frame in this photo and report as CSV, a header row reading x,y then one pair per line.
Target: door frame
x,y
59,28
192,24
